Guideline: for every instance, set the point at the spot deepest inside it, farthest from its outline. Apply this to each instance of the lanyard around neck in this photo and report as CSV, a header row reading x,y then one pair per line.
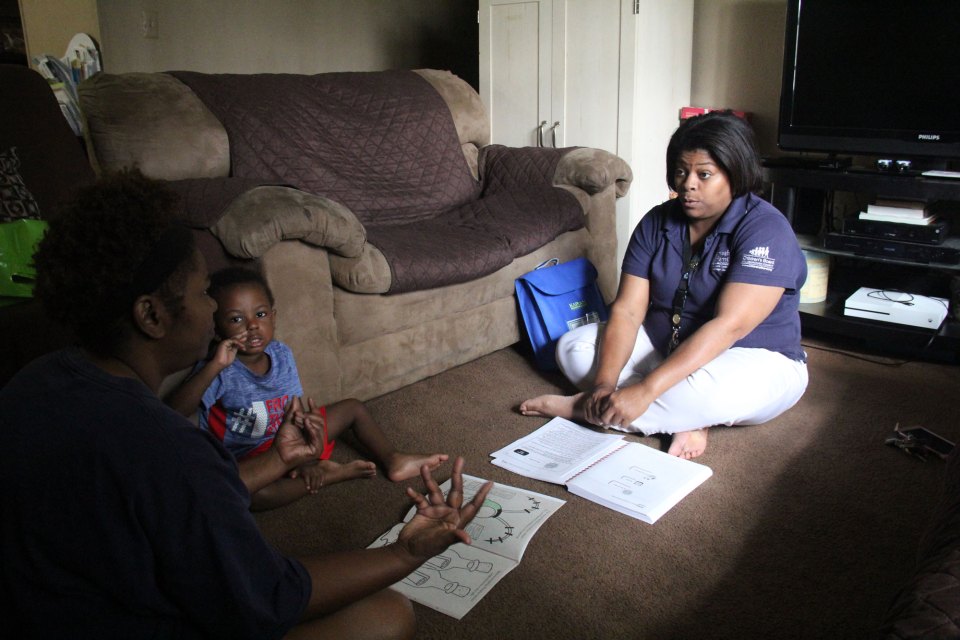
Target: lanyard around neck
x,y
690,263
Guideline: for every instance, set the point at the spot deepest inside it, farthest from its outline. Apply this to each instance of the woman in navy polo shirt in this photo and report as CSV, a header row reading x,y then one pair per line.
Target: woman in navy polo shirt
x,y
705,329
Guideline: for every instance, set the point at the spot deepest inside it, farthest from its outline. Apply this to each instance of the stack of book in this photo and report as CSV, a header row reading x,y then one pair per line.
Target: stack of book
x,y
899,211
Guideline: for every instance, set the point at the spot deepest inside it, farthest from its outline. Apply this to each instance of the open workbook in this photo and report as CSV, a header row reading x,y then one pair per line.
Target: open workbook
x,y
629,477
454,581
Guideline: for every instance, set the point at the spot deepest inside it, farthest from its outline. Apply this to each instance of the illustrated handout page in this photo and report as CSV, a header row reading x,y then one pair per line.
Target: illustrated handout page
x,y
628,477
455,580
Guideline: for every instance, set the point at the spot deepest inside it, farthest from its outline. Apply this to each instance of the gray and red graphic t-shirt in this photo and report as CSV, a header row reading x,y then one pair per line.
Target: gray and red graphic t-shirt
x,y
245,410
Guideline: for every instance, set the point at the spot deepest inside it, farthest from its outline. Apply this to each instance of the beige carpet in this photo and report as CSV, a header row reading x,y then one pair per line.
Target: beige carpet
x,y
806,529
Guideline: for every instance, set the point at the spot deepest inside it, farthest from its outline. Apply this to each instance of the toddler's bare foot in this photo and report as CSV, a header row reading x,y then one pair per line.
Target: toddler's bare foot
x,y
688,444
553,406
334,472
403,466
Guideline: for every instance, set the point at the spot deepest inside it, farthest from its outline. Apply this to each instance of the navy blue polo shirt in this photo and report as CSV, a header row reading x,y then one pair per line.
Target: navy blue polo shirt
x,y
752,243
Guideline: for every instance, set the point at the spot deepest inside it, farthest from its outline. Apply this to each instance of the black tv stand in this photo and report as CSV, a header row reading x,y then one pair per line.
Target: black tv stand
x,y
831,162
908,173
803,193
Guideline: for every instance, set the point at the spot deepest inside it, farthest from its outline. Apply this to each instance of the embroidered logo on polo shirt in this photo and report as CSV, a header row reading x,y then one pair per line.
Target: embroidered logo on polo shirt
x,y
758,258
721,261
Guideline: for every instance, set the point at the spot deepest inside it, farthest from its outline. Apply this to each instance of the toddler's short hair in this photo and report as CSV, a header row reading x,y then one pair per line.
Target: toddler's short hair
x,y
231,276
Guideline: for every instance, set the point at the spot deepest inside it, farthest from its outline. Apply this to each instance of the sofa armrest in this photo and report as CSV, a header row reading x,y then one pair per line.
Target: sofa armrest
x,y
582,171
299,276
261,217
593,170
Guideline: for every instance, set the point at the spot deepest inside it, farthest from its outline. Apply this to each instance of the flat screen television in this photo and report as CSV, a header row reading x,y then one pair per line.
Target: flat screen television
x,y
872,77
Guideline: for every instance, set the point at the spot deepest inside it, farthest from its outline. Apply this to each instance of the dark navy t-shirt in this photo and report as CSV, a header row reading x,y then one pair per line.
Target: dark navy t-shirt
x,y
752,243
121,519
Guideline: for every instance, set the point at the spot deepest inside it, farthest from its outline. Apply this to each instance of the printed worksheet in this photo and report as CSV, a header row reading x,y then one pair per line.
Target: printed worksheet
x,y
629,477
455,580
556,451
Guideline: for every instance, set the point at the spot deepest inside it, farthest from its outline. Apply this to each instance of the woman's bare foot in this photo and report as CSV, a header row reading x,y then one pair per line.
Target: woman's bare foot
x,y
553,406
403,466
688,444
334,472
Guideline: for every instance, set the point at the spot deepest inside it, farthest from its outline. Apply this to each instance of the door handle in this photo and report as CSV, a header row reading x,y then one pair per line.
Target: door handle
x,y
540,133
553,133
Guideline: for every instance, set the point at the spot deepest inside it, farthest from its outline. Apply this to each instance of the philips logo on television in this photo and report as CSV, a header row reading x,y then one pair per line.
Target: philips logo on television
x,y
928,137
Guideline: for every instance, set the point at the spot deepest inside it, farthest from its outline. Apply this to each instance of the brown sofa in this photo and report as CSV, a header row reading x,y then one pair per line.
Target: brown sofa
x,y
383,272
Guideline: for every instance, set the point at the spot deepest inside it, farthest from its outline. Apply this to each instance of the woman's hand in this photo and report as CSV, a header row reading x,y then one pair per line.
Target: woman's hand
x,y
595,403
440,522
625,405
296,441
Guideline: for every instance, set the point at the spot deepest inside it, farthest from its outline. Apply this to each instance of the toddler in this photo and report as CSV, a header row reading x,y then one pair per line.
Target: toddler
x,y
243,390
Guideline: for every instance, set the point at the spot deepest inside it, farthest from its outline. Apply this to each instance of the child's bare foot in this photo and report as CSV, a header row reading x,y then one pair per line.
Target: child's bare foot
x,y
553,406
334,472
403,466
688,444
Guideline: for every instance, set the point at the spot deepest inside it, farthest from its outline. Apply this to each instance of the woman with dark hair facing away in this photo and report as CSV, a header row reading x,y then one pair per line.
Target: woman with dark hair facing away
x,y
705,328
122,519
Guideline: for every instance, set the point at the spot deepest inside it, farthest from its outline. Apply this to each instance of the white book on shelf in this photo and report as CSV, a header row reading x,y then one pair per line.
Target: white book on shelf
x,y
903,208
898,219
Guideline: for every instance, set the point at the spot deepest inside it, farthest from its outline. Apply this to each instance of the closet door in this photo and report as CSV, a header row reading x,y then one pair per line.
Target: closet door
x,y
608,74
515,51
585,74
549,71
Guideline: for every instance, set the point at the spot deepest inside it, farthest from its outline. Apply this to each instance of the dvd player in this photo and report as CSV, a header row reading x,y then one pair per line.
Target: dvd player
x,y
927,234
946,253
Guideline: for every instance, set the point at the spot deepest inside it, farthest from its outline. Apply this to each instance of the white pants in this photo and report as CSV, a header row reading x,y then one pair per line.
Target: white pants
x,y
740,386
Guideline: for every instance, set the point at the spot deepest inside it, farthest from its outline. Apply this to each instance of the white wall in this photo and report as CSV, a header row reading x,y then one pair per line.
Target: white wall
x,y
737,45
737,59
662,43
293,36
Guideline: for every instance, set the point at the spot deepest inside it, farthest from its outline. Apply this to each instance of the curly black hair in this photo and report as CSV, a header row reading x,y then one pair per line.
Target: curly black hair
x,y
93,251
230,276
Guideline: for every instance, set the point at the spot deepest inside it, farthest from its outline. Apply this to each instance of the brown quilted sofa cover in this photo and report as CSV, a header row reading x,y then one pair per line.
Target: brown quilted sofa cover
x,y
329,260
928,606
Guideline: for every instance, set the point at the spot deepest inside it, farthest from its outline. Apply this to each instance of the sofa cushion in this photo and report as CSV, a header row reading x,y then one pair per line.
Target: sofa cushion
x,y
259,218
16,201
476,239
372,322
459,246
382,143
153,122
469,115
53,164
928,605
